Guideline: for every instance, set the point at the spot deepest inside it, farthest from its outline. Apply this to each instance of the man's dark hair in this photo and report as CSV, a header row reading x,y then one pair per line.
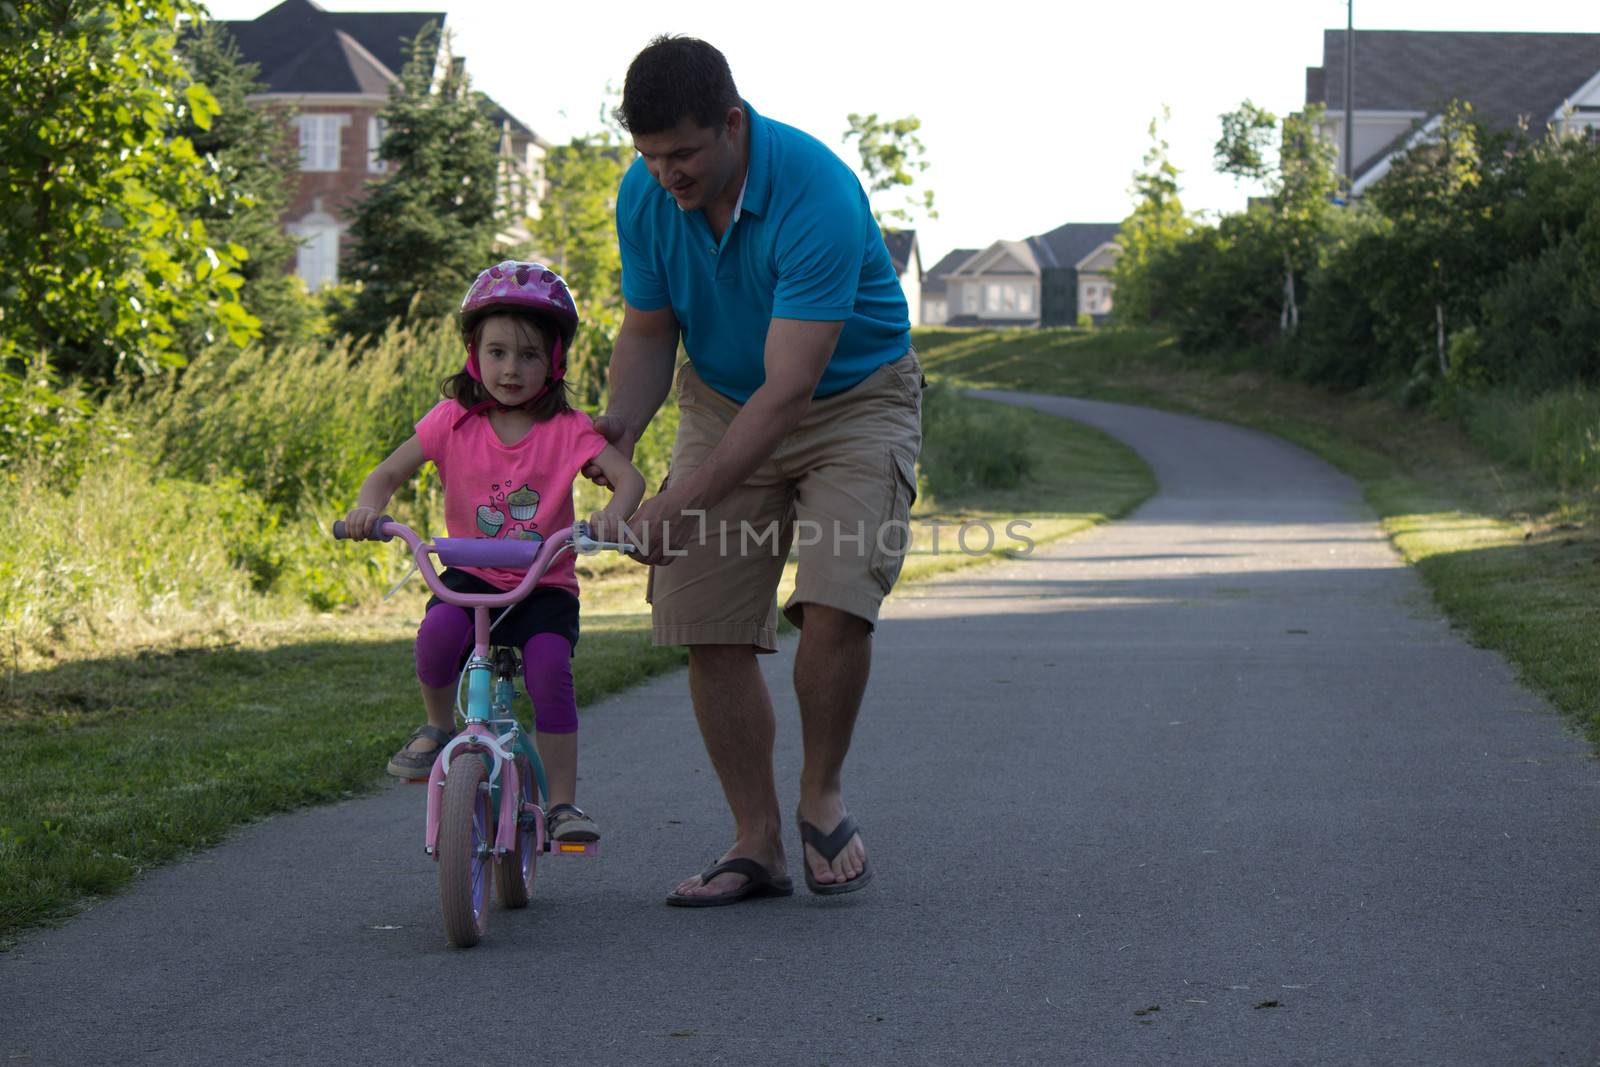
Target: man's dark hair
x,y
673,79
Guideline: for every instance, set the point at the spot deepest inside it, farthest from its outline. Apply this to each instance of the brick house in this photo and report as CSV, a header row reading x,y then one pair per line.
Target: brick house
x,y
334,69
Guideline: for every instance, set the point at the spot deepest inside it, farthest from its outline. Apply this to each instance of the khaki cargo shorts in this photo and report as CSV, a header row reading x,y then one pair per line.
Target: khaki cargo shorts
x,y
838,492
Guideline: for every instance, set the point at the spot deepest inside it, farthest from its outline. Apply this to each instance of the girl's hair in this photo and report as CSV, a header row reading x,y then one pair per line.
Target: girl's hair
x,y
466,391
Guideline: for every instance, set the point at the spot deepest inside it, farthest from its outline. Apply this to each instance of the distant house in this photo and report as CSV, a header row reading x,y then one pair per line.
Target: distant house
x,y
935,308
907,260
1046,280
334,69
1403,80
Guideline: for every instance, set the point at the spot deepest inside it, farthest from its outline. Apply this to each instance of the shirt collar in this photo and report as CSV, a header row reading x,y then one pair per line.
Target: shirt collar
x,y
758,173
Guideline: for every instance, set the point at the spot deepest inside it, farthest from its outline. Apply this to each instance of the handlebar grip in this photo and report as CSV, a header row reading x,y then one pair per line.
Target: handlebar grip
x,y
341,533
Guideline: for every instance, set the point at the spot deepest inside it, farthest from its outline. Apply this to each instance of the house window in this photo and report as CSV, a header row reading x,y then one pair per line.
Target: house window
x,y
1007,298
317,261
969,299
377,130
319,141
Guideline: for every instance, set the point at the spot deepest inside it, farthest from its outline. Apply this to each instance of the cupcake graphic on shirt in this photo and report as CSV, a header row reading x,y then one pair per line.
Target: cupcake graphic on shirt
x,y
490,520
523,503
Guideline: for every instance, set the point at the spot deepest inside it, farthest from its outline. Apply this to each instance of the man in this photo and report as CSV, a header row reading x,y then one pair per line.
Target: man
x,y
800,425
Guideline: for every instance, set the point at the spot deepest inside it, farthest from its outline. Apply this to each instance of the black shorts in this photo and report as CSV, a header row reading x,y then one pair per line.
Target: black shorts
x,y
546,610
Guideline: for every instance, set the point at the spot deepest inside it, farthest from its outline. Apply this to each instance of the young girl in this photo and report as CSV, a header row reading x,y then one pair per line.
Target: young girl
x,y
508,445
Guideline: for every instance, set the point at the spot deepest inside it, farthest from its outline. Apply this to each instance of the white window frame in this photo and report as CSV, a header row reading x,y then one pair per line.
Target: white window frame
x,y
317,258
969,298
319,141
377,127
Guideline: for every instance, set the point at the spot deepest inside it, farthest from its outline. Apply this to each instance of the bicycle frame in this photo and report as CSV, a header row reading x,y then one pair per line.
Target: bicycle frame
x,y
491,730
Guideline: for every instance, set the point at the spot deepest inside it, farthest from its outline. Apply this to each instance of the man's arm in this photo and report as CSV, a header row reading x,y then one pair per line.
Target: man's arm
x,y
641,376
797,353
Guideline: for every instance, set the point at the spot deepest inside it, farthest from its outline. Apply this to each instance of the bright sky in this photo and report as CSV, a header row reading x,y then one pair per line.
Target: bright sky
x,y
1033,113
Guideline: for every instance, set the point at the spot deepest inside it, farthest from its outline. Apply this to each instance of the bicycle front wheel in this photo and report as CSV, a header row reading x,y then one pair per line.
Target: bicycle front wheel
x,y
513,875
466,844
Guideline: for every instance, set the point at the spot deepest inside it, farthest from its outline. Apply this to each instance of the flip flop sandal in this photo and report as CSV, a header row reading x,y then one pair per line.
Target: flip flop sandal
x,y
566,822
829,846
415,765
760,883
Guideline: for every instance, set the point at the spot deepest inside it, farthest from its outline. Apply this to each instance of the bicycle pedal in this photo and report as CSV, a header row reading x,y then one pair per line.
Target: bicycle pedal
x,y
572,848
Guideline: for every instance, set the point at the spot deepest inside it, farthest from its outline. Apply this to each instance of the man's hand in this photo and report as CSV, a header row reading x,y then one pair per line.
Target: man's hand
x,y
610,427
662,528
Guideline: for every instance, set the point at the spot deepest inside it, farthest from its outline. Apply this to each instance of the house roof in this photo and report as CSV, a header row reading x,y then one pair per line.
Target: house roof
x,y
302,48
1505,76
933,280
499,115
1018,253
900,244
1066,245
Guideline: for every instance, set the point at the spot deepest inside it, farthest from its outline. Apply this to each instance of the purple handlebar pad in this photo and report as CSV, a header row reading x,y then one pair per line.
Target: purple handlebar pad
x,y
341,534
514,554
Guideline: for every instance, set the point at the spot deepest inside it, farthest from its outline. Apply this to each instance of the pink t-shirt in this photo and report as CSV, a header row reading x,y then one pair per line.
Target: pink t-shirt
x,y
497,490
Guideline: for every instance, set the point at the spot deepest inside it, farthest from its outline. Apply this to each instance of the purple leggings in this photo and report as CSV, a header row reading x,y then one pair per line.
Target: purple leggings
x,y
445,636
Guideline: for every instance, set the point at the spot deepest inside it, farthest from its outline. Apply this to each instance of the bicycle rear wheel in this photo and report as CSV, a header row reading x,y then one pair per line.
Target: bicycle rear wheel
x,y
466,843
513,875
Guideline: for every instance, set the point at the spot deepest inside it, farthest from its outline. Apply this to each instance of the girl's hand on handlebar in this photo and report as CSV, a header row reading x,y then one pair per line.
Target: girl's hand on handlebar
x,y
361,523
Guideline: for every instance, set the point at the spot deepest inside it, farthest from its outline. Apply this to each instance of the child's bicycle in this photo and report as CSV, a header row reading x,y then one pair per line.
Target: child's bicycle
x,y
484,811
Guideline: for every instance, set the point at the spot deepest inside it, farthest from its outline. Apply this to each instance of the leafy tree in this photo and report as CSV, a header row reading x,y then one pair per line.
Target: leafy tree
x,y
1300,179
1158,223
1426,194
105,258
425,230
253,151
891,158
576,232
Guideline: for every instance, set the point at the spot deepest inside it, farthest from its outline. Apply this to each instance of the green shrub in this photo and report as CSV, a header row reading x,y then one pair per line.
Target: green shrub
x,y
968,445
1555,434
1541,320
47,425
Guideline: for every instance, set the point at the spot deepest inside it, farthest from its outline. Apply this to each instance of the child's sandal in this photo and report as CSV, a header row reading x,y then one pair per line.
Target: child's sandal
x,y
412,765
566,822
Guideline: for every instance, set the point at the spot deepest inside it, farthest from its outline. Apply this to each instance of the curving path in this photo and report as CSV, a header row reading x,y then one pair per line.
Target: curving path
x,y
1213,785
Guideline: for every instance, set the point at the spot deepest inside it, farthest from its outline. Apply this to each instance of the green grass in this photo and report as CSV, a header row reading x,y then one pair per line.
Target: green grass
x,y
121,761
1505,542
116,765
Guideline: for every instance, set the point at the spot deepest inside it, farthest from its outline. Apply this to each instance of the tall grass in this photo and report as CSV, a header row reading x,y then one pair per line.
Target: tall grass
x,y
1556,435
967,446
187,505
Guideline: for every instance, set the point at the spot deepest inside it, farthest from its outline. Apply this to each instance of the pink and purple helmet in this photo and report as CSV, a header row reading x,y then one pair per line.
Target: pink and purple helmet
x,y
510,286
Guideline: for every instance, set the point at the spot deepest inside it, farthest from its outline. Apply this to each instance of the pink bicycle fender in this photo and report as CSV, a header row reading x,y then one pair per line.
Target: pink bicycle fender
x,y
512,554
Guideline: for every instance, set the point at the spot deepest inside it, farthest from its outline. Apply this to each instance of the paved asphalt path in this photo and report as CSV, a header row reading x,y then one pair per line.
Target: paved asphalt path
x,y
1212,785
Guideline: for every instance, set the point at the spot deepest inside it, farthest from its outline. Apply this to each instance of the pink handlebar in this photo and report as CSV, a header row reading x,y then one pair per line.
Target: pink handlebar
x,y
474,552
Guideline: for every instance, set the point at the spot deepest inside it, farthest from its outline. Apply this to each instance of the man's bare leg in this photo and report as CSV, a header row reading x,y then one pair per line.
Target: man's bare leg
x,y
830,678
734,710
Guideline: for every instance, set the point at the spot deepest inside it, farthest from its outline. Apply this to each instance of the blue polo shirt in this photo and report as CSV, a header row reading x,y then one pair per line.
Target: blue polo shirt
x,y
803,245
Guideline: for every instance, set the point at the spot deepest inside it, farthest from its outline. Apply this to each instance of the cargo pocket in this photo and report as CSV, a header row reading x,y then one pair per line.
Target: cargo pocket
x,y
893,540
